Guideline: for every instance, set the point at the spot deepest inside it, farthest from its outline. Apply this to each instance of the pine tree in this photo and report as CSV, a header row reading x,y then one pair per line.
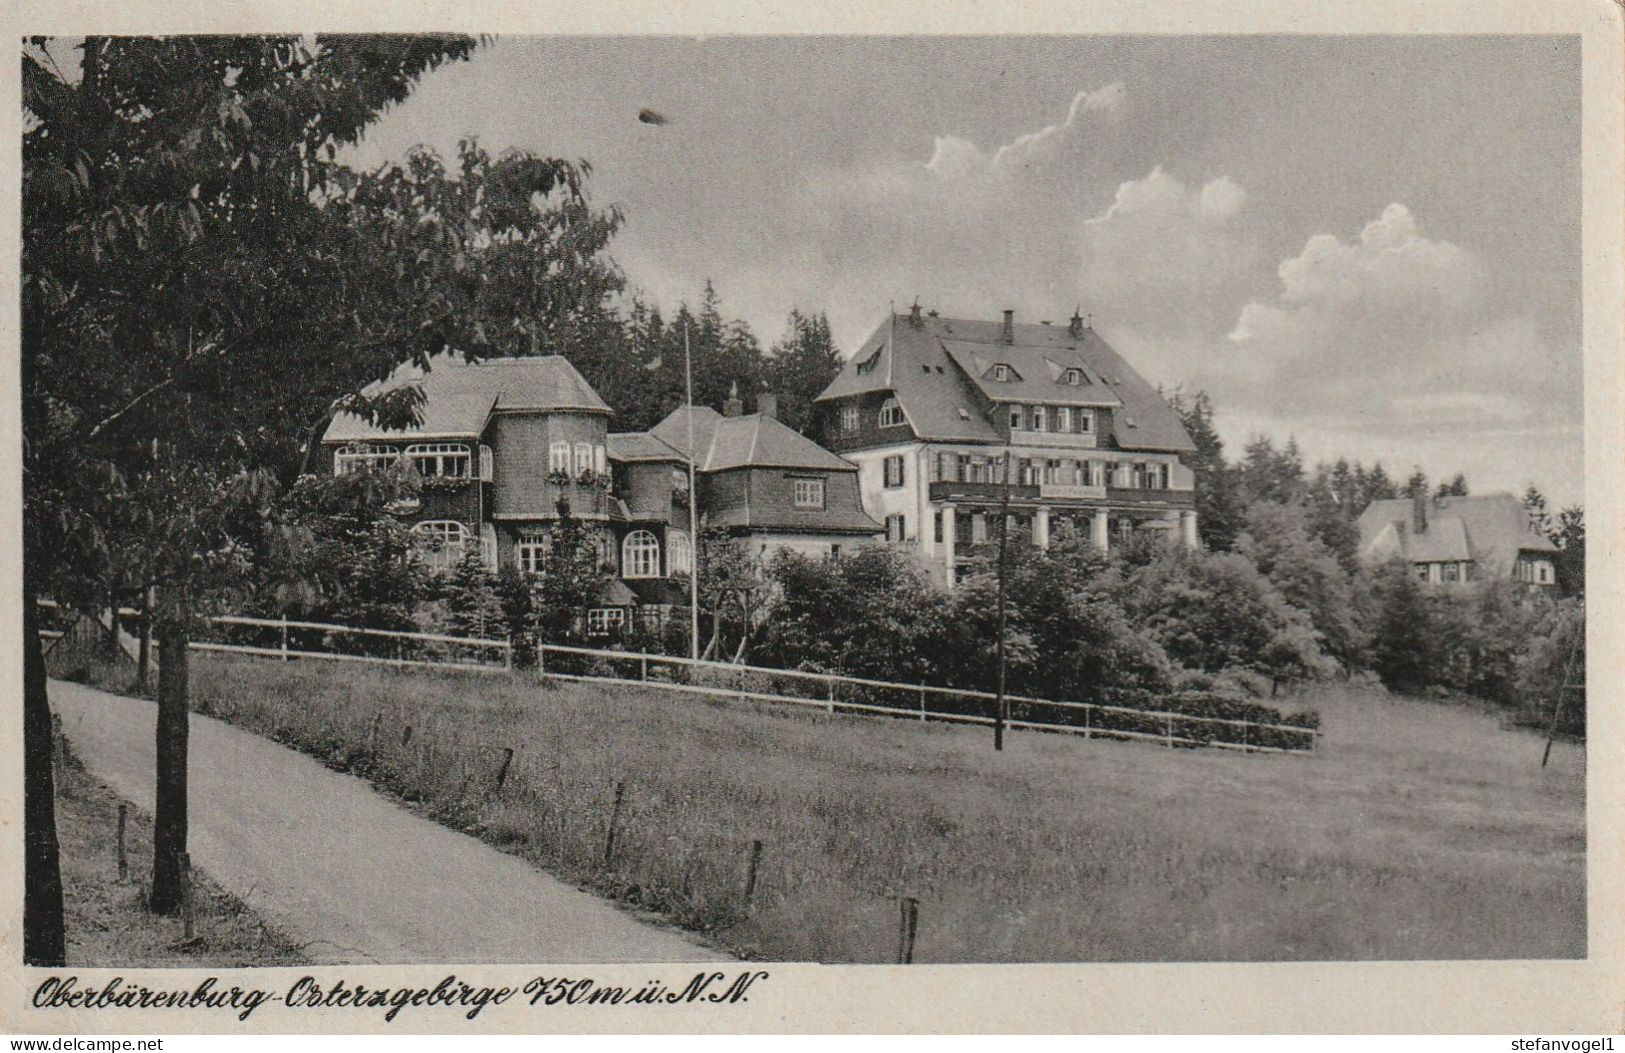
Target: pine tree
x,y
472,605
1219,509
804,362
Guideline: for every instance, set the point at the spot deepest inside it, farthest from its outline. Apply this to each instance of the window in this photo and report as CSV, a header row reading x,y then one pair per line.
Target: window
x,y
558,457
1063,418
1086,421
896,530
1543,573
583,458
869,363
849,418
1156,476
600,460
640,555
1452,572
936,526
1074,377
1040,422
602,621
448,460
1421,572
679,484
809,493
487,464
1001,372
441,542
363,455
679,553
892,470
891,414
1018,418
530,552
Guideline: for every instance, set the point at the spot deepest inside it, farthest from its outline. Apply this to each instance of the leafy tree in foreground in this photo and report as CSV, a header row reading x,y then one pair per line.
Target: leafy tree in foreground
x,y
191,252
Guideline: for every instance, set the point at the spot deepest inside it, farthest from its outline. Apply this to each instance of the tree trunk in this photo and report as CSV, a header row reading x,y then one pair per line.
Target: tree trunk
x,y
169,817
144,653
43,940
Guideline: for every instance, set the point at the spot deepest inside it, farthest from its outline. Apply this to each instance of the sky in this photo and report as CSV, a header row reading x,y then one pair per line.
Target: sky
x,y
1370,245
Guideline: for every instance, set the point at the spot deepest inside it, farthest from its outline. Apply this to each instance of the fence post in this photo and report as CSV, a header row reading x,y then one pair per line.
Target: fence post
x,y
123,860
1245,728
1169,733
751,864
507,655
643,664
284,637
922,703
541,658
614,817
830,680
1088,712
502,772
908,924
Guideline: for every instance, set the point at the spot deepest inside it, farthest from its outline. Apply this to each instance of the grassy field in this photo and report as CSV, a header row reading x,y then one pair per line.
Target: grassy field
x,y
1421,830
106,919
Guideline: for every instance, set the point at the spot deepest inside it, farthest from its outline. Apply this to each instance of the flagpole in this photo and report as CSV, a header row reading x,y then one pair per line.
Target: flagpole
x,y
693,505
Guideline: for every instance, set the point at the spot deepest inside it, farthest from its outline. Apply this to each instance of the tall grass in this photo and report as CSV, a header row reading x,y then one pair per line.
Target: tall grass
x,y
1419,832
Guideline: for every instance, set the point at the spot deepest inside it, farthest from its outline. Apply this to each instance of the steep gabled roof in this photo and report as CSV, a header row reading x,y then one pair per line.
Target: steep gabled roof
x,y
459,397
753,441
1490,529
1036,374
935,368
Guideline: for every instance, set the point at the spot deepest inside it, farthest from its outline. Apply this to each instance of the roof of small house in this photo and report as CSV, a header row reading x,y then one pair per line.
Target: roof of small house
x,y
751,441
628,446
941,372
459,397
1490,529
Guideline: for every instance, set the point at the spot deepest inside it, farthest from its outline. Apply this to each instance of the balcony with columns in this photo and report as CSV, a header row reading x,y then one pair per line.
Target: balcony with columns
x,y
969,531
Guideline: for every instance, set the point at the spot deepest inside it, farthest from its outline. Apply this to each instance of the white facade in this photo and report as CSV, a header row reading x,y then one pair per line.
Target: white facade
x,y
1076,479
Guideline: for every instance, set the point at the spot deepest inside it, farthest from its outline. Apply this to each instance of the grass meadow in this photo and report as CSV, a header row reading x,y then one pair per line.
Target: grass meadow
x,y
1420,830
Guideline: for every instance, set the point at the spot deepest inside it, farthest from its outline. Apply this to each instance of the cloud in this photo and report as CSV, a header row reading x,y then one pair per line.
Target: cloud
x,y
1396,332
1166,264
1040,223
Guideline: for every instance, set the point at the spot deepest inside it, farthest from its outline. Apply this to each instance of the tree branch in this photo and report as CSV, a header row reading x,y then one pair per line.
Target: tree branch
x,y
127,407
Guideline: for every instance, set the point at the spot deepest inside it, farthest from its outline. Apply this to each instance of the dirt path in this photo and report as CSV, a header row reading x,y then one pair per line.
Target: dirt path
x,y
345,872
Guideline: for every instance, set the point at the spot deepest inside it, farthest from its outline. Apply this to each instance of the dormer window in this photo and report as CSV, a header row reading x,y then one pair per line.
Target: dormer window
x,y
1001,373
1074,377
869,363
891,414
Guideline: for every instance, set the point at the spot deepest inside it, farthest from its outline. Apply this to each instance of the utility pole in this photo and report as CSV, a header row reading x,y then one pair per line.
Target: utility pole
x,y
693,513
1000,705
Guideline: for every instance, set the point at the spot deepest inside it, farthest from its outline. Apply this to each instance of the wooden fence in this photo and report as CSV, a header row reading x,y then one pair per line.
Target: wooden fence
x,y
837,693
834,693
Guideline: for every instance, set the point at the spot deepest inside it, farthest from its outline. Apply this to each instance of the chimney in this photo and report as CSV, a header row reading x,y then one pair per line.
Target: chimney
x,y
767,404
1419,511
733,407
1009,335
914,314
1075,327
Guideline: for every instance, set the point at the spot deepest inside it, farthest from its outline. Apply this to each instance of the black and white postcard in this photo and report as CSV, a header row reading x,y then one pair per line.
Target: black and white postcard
x,y
721,519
